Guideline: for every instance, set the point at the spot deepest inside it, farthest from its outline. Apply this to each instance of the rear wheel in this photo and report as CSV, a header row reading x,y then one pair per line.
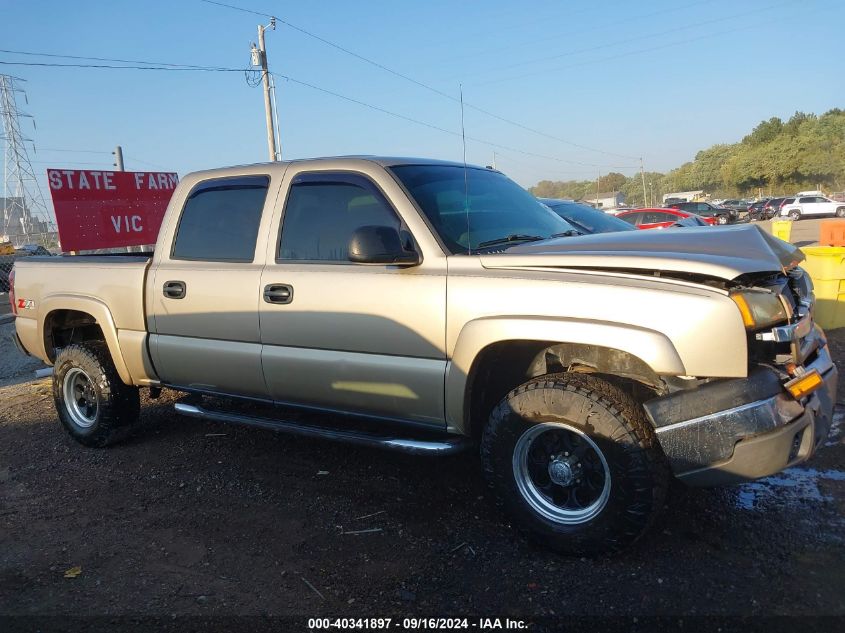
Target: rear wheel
x,y
722,219
574,461
795,215
94,405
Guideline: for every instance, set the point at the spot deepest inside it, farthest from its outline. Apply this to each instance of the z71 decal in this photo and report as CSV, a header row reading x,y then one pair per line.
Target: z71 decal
x,y
26,304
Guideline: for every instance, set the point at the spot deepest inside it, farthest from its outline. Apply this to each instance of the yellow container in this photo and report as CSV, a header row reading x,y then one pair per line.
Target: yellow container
x,y
782,229
826,267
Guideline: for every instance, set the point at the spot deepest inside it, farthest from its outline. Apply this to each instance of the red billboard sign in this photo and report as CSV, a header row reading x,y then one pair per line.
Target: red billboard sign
x,y
109,209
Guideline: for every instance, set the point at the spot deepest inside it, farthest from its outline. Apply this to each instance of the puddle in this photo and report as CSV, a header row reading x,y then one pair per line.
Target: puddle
x,y
794,486
837,429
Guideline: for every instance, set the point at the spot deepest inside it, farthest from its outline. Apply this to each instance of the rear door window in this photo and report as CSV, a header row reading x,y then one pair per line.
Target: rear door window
x,y
220,220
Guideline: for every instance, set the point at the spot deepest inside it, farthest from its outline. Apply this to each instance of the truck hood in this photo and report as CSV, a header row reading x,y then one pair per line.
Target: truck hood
x,y
721,252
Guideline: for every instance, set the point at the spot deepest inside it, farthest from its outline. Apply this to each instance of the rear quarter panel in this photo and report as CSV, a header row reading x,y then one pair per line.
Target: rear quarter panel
x,y
108,288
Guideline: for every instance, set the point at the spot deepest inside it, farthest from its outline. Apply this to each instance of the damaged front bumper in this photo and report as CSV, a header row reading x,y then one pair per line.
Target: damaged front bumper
x,y
732,431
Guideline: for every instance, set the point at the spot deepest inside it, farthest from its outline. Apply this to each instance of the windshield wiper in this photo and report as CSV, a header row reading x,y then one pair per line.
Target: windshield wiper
x,y
569,233
515,237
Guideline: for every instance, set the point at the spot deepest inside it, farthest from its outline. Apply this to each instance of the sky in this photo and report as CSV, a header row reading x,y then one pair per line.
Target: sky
x,y
576,88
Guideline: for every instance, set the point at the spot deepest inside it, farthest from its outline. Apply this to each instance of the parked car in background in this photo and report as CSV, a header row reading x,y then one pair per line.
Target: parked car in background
x,y
722,215
756,210
9,255
771,208
811,206
663,218
736,204
584,218
33,249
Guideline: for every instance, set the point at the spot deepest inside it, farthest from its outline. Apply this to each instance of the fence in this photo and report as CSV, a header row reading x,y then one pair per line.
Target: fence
x,y
6,263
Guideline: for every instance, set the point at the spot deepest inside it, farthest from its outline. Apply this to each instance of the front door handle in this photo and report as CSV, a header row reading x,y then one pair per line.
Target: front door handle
x,y
278,293
175,289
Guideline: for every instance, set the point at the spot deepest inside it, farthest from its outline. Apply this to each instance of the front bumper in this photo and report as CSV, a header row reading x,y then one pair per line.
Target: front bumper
x,y
758,430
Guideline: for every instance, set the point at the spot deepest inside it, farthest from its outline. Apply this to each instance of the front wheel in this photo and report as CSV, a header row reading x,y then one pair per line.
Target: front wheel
x,y
574,461
94,405
840,212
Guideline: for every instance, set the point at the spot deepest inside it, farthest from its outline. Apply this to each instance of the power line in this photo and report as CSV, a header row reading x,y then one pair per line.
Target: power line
x,y
75,151
231,6
420,83
171,68
684,42
441,129
326,91
638,38
99,59
66,162
602,25
144,162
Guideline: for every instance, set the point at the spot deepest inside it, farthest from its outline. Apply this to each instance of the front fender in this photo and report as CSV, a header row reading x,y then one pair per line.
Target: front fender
x,y
651,347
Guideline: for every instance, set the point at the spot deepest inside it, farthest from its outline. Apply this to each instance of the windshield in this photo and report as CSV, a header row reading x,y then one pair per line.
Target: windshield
x,y
497,209
586,219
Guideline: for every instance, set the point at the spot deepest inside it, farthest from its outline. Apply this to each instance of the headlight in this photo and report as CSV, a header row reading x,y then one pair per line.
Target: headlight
x,y
760,308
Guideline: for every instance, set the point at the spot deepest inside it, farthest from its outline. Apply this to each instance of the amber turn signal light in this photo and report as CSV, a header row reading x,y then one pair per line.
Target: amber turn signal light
x,y
804,384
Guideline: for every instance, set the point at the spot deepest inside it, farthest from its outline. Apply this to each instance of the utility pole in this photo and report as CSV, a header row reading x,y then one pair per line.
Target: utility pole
x,y
265,80
118,158
118,165
642,173
494,159
598,179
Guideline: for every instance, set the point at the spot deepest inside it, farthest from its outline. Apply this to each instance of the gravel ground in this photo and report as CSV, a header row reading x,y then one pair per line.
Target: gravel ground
x,y
195,518
14,366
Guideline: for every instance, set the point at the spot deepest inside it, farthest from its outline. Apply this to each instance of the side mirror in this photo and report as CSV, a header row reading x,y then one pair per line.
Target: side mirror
x,y
380,245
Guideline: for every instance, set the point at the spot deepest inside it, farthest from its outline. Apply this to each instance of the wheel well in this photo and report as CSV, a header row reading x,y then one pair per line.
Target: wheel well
x,y
501,366
63,327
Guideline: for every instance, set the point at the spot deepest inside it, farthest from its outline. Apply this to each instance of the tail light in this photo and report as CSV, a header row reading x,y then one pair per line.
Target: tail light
x,y
12,291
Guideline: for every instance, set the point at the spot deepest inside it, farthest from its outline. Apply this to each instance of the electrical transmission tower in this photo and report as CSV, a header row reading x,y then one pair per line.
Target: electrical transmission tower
x,y
26,218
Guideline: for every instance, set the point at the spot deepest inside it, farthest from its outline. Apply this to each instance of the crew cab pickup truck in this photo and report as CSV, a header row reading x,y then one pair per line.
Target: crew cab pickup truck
x,y
426,307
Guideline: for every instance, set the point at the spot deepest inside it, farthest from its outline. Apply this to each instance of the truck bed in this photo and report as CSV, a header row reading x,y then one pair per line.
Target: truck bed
x,y
113,282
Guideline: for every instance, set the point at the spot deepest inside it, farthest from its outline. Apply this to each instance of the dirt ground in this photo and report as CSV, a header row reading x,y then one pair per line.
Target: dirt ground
x,y
196,518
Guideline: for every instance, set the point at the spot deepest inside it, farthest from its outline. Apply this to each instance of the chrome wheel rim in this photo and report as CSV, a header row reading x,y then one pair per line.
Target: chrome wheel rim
x,y
561,473
80,398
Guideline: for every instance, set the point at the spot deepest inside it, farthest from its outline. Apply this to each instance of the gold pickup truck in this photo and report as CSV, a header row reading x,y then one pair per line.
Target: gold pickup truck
x,y
427,307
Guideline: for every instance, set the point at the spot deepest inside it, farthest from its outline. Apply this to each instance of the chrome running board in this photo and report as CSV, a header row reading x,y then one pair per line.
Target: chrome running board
x,y
445,446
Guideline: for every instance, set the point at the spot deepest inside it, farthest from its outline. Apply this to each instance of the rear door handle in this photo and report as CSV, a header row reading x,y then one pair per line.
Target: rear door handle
x,y
278,293
175,289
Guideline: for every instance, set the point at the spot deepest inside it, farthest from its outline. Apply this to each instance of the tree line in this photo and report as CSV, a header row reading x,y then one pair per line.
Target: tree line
x,y
777,157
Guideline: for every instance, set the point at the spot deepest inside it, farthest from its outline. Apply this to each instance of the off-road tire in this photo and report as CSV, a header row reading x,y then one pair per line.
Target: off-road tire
x,y
615,422
117,407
